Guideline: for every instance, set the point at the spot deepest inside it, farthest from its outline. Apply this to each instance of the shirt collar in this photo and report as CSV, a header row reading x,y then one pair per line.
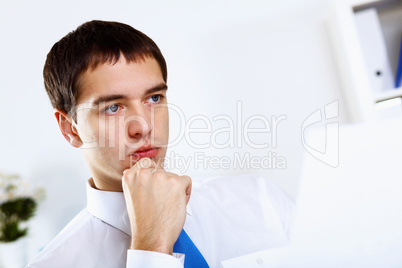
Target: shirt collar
x,y
110,207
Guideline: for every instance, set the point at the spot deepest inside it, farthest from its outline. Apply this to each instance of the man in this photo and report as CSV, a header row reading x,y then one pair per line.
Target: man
x,y
107,83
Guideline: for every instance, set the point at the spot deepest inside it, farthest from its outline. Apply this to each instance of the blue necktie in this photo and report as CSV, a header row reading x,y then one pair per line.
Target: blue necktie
x,y
193,257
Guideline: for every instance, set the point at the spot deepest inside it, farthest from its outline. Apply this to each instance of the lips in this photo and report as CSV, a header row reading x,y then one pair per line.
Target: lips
x,y
144,152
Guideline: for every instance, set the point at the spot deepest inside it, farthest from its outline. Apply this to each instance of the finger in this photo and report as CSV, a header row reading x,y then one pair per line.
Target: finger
x,y
145,162
143,170
188,184
142,163
170,174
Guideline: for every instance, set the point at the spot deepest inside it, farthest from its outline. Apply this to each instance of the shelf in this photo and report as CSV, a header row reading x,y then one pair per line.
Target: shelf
x,y
378,4
390,94
356,81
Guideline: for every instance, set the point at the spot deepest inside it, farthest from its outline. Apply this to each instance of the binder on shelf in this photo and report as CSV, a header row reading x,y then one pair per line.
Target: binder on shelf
x,y
374,50
398,78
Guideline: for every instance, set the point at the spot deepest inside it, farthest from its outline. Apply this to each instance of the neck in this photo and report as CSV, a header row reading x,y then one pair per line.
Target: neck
x,y
105,185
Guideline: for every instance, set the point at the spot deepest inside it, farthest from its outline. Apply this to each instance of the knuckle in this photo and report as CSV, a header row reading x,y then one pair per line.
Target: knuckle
x,y
126,178
175,181
142,172
145,162
160,174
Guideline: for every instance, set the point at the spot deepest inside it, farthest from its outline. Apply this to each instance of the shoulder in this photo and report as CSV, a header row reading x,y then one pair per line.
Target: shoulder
x,y
78,243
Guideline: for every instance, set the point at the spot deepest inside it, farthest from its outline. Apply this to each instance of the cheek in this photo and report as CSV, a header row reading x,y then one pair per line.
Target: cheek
x,y
114,131
89,134
106,132
161,125
90,127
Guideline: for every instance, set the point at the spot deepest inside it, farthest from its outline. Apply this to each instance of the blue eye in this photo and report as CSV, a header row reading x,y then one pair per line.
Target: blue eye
x,y
155,98
112,109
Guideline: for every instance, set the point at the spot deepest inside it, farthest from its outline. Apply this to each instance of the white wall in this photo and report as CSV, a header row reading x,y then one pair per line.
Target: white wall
x,y
273,56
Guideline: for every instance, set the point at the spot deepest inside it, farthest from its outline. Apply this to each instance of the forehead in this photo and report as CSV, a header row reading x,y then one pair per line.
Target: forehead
x,y
131,79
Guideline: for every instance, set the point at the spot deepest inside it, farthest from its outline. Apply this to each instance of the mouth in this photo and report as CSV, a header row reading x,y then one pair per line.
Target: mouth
x,y
148,151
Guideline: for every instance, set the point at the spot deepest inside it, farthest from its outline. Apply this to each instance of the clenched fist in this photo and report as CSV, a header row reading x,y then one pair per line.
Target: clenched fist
x,y
156,203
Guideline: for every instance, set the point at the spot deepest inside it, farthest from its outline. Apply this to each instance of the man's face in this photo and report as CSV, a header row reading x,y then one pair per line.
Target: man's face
x,y
122,116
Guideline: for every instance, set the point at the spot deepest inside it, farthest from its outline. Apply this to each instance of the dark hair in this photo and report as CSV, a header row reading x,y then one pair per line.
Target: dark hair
x,y
93,43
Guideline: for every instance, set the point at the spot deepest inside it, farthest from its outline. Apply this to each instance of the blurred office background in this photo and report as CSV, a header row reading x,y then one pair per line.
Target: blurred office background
x,y
274,57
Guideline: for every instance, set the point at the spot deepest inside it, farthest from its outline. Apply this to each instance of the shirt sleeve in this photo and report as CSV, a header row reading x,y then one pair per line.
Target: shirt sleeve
x,y
142,258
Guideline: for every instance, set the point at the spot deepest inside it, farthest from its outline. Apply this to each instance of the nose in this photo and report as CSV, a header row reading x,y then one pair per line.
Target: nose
x,y
138,124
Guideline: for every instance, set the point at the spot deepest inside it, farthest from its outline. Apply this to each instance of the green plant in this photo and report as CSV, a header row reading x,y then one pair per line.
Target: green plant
x,y
18,202
12,213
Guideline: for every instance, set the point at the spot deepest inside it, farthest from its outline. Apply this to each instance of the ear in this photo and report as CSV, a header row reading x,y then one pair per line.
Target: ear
x,y
68,128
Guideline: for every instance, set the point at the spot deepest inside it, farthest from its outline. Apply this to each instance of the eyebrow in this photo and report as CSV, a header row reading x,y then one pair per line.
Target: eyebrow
x,y
106,98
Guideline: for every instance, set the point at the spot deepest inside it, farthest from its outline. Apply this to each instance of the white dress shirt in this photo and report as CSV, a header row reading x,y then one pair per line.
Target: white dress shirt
x,y
228,218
